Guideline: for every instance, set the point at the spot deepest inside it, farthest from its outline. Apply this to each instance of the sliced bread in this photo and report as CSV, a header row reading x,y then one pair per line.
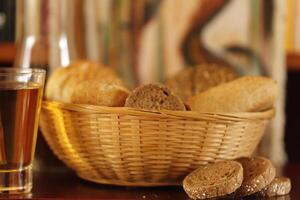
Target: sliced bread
x,y
154,97
214,180
279,186
259,172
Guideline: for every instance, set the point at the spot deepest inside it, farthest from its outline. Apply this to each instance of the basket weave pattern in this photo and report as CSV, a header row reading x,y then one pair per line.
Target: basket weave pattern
x,y
124,146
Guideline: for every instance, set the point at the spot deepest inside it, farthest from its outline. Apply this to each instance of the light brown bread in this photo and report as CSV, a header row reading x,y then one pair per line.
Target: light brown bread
x,y
62,82
214,180
259,172
193,80
154,97
98,93
182,84
211,75
53,90
246,94
279,186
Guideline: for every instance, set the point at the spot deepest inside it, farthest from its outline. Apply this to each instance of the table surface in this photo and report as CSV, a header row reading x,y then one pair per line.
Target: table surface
x,y
64,184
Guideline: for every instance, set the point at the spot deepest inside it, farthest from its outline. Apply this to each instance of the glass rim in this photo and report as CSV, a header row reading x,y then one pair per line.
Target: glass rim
x,y
14,70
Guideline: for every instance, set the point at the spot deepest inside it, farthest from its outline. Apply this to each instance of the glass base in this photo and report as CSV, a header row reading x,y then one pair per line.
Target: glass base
x,y
16,181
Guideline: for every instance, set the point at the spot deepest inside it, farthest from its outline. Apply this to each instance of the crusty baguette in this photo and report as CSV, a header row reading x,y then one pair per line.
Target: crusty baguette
x,y
246,94
279,186
154,97
193,80
62,82
99,93
214,180
259,172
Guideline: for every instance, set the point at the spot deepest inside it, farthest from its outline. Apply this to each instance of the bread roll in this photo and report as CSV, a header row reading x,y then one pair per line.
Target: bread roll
x,y
214,180
211,75
246,94
182,84
62,82
193,80
154,97
99,93
56,82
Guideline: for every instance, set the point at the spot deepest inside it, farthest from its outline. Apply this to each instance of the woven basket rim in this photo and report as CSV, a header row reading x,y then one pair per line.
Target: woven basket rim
x,y
94,109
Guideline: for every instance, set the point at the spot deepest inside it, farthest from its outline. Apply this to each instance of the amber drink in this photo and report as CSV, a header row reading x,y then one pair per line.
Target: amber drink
x,y
20,101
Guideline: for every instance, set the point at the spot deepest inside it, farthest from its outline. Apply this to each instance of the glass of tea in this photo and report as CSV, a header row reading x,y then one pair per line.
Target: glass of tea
x,y
20,102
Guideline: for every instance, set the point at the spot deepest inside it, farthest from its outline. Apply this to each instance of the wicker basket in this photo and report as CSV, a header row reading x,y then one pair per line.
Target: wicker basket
x,y
125,146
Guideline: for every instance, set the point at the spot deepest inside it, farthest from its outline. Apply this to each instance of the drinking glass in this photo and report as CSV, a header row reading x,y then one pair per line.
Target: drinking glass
x,y
20,102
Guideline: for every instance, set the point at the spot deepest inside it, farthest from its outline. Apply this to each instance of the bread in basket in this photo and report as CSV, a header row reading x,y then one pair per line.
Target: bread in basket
x,y
134,147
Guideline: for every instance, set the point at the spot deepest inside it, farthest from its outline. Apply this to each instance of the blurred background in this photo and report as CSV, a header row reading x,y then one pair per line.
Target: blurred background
x,y
150,40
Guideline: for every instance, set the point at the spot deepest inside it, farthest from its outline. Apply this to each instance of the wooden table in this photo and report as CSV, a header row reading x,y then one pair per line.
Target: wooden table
x,y
62,183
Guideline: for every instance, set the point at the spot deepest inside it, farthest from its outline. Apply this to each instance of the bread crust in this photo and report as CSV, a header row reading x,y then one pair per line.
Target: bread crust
x,y
182,84
64,80
211,75
246,94
154,97
214,180
259,172
193,80
99,93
